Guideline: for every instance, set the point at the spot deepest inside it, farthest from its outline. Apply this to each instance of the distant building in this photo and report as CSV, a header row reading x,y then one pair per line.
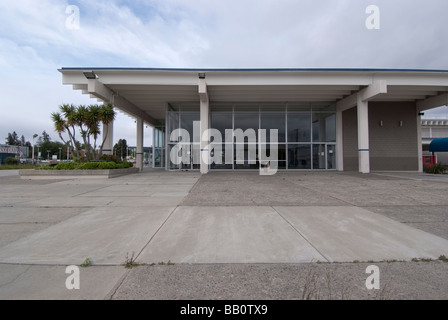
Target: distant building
x,y
147,155
433,128
12,152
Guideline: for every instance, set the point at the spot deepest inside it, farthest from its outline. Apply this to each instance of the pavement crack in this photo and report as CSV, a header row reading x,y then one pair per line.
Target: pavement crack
x,y
117,286
15,278
90,191
302,235
155,233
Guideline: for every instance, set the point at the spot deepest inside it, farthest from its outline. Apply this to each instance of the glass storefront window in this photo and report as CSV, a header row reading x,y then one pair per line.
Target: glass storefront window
x,y
281,153
159,158
220,152
222,122
299,127
171,164
173,124
299,157
307,135
274,120
159,137
186,122
324,127
330,129
246,156
247,120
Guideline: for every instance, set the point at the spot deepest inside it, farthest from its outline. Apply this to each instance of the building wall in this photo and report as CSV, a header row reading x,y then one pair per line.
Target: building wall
x,y
391,147
350,137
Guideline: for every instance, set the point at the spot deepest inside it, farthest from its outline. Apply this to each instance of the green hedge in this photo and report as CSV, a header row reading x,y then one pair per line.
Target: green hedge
x,y
110,158
11,161
436,169
89,166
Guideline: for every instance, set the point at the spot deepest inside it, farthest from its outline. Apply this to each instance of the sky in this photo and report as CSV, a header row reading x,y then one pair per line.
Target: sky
x,y
37,38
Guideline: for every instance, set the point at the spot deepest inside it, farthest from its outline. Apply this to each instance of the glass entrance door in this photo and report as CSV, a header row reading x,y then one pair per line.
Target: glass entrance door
x,y
331,157
159,147
324,157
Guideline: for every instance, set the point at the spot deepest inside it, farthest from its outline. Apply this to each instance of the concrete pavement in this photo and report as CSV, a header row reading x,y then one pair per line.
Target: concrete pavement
x,y
220,218
9,173
287,235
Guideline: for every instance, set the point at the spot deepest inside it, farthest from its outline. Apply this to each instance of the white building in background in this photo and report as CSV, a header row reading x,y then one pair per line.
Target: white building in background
x,y
433,128
327,119
7,151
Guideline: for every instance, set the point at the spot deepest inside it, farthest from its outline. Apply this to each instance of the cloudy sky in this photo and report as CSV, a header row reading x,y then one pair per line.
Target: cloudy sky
x,y
35,41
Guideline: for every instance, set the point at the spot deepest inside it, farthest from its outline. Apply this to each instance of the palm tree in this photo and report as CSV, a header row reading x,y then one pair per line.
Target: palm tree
x,y
87,119
82,117
92,122
107,116
69,112
59,124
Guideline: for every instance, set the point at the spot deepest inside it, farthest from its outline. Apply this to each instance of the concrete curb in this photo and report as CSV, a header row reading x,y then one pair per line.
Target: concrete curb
x,y
74,174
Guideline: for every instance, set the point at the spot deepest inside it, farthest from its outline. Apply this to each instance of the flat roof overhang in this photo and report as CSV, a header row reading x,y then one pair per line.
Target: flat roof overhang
x,y
145,92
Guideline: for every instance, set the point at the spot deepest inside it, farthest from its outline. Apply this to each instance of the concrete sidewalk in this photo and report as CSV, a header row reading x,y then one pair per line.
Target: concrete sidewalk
x,y
160,216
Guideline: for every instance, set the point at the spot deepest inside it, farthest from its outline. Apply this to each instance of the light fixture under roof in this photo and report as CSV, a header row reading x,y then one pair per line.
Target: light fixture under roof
x,y
202,76
90,75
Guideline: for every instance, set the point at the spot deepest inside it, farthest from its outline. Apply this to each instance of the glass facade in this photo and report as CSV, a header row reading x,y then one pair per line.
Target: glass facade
x,y
306,135
159,147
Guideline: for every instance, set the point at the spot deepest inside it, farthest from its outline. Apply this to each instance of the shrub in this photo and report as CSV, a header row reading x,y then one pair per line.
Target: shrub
x,y
98,166
436,169
67,166
110,158
125,165
89,166
11,161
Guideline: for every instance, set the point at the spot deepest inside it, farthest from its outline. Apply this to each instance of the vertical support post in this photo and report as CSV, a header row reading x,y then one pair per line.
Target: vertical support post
x,y
204,139
322,147
363,136
139,154
419,142
339,141
108,144
205,111
153,163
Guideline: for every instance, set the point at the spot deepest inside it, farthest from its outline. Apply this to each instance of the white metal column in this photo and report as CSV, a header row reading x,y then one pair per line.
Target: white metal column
x,y
419,142
153,162
363,136
139,154
205,111
339,142
108,144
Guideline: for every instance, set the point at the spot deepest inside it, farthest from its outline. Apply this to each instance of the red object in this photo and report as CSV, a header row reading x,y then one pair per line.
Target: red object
x,y
429,161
